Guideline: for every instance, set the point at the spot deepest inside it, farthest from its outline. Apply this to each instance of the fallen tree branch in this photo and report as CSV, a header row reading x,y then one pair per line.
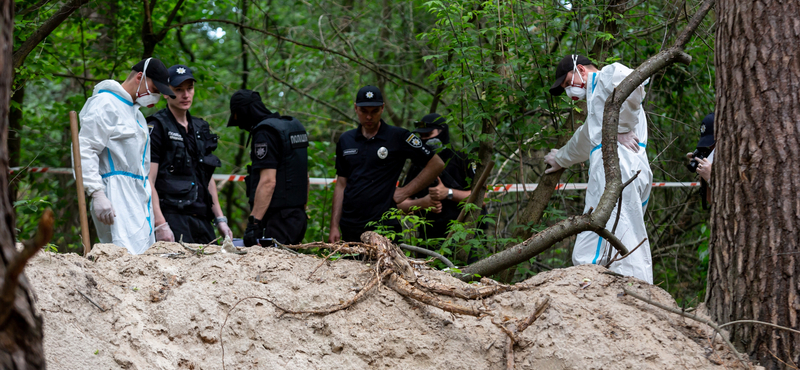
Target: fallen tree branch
x,y
690,316
427,253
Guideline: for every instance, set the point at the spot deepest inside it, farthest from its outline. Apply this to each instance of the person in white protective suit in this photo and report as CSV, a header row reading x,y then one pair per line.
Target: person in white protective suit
x,y
581,79
115,155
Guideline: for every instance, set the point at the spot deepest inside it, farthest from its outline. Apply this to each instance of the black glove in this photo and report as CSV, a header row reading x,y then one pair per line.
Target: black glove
x,y
253,232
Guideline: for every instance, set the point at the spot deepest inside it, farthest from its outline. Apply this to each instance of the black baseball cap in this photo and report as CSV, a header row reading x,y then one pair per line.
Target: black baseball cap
x,y
369,96
157,72
565,66
179,73
429,123
707,132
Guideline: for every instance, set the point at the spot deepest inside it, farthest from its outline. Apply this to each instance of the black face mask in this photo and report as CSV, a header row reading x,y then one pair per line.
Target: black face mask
x,y
249,110
439,141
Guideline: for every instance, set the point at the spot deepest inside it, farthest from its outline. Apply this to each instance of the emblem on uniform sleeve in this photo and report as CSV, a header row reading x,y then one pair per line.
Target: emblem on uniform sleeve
x,y
383,152
261,150
414,141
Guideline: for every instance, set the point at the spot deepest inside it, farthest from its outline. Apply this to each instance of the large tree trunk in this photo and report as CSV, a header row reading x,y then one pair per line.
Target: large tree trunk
x,y
754,271
20,325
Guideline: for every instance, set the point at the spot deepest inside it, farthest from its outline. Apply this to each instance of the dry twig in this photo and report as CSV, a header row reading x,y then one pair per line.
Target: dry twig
x,y
690,316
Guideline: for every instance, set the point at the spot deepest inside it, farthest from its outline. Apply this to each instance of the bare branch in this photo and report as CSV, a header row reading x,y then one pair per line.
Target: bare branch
x,y
266,68
371,65
47,27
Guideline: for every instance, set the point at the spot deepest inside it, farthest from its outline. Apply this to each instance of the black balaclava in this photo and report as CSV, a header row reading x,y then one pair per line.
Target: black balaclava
x,y
249,110
435,120
440,140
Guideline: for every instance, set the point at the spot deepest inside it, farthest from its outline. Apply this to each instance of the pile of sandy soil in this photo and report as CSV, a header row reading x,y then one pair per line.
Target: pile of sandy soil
x,y
157,312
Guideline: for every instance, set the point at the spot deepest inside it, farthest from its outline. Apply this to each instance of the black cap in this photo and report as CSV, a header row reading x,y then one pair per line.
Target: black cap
x,y
429,123
179,73
565,66
369,96
157,72
707,132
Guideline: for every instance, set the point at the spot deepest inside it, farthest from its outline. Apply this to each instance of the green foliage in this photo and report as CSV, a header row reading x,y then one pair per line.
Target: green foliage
x,y
492,62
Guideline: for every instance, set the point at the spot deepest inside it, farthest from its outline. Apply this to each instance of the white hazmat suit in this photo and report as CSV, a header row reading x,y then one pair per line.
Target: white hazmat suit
x,y
585,145
115,156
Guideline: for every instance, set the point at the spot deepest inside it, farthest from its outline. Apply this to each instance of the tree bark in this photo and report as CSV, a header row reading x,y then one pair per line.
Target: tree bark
x,y
20,325
754,270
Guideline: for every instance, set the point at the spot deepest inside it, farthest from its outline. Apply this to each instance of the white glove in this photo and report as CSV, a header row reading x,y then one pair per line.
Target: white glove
x,y
550,159
102,209
164,233
629,140
224,230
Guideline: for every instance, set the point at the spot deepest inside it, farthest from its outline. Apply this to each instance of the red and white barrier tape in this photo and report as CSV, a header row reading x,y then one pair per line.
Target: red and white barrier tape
x,y
501,188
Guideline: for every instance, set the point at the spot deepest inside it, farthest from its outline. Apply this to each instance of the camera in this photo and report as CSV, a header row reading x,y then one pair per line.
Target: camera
x,y
699,153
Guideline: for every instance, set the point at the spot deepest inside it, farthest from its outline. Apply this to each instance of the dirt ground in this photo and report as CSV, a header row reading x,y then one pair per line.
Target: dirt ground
x,y
157,312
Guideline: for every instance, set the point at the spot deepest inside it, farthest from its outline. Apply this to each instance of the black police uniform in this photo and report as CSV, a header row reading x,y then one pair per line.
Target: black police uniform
x,y
372,168
280,143
185,165
458,174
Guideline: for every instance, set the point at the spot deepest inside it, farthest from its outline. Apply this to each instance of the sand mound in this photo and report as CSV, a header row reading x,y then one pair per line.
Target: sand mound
x,y
166,313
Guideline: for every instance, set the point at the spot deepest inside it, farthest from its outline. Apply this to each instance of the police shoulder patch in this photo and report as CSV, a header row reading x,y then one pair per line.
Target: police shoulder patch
x,y
414,141
261,150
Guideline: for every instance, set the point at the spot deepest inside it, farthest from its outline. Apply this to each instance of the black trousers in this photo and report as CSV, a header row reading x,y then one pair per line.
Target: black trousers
x,y
285,225
194,229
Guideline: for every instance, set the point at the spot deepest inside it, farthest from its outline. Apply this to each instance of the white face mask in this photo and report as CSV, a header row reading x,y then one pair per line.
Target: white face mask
x,y
146,100
576,92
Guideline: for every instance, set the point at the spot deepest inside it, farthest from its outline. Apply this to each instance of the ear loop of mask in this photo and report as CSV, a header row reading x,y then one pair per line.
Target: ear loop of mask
x,y
576,71
144,77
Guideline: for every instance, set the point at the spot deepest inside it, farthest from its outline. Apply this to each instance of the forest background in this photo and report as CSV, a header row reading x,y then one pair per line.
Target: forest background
x,y
487,66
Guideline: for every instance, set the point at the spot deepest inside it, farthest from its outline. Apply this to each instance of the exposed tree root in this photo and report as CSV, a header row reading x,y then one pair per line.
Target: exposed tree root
x,y
403,287
338,307
393,266
468,292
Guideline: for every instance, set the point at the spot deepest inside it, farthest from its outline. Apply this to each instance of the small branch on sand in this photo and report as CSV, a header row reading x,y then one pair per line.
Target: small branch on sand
x,y
517,327
91,301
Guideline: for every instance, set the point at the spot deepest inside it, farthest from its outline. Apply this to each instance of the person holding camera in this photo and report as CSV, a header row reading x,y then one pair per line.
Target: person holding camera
x,y
703,156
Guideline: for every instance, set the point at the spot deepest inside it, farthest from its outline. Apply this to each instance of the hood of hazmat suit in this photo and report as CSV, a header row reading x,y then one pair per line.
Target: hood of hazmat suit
x,y
584,145
115,156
